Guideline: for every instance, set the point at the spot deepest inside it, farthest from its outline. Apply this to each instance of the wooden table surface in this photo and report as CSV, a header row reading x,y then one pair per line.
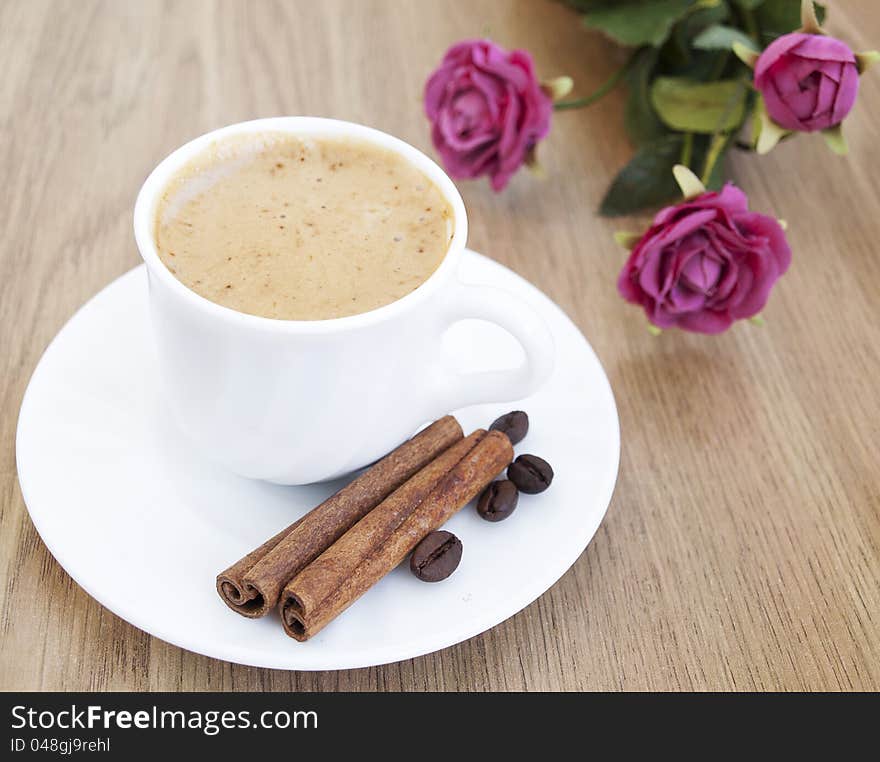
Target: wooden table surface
x,y
742,546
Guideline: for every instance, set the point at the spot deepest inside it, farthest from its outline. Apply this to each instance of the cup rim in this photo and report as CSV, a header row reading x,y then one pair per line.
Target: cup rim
x,y
149,194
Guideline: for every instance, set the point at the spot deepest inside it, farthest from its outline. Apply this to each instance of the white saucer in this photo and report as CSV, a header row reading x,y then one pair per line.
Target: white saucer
x,y
143,524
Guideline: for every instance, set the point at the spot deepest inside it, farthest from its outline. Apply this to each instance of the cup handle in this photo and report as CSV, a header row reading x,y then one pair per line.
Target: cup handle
x,y
517,317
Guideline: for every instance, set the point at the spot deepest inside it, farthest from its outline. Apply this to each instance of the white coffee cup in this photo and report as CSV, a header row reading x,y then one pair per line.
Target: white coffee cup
x,y
299,401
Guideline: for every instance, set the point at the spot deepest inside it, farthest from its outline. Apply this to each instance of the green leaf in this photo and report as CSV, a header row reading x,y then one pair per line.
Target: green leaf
x,y
706,65
677,55
647,180
700,18
641,121
689,106
749,5
720,37
648,22
778,17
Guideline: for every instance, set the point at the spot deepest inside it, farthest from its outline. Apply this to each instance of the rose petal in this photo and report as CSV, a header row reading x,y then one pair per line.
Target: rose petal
x,y
509,124
779,110
467,123
705,263
627,287
825,100
769,228
833,70
803,103
774,51
665,214
846,94
500,178
694,244
729,237
726,284
732,199
807,81
538,111
523,59
681,299
462,52
707,321
650,277
484,159
533,122
726,245
729,200
660,316
487,110
688,223
436,92
701,273
761,267
741,288
495,61
491,87
791,75
824,48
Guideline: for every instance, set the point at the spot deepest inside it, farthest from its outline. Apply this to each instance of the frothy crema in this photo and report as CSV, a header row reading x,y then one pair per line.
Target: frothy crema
x,y
297,228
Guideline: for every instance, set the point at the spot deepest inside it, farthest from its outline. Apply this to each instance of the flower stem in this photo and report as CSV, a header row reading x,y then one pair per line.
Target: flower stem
x,y
751,24
603,90
718,69
716,148
687,149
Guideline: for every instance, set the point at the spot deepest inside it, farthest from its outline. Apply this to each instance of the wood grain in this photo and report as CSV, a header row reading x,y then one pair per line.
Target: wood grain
x,y
742,547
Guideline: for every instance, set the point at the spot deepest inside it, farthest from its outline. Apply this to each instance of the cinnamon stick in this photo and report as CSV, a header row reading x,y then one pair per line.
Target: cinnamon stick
x,y
464,482
230,583
329,570
252,585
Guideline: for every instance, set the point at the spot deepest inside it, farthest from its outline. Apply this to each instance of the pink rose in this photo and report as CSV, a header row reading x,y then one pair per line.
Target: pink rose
x,y
487,110
809,81
705,263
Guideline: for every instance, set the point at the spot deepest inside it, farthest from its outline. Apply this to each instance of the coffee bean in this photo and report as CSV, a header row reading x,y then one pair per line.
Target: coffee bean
x,y
530,474
436,556
515,424
498,501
